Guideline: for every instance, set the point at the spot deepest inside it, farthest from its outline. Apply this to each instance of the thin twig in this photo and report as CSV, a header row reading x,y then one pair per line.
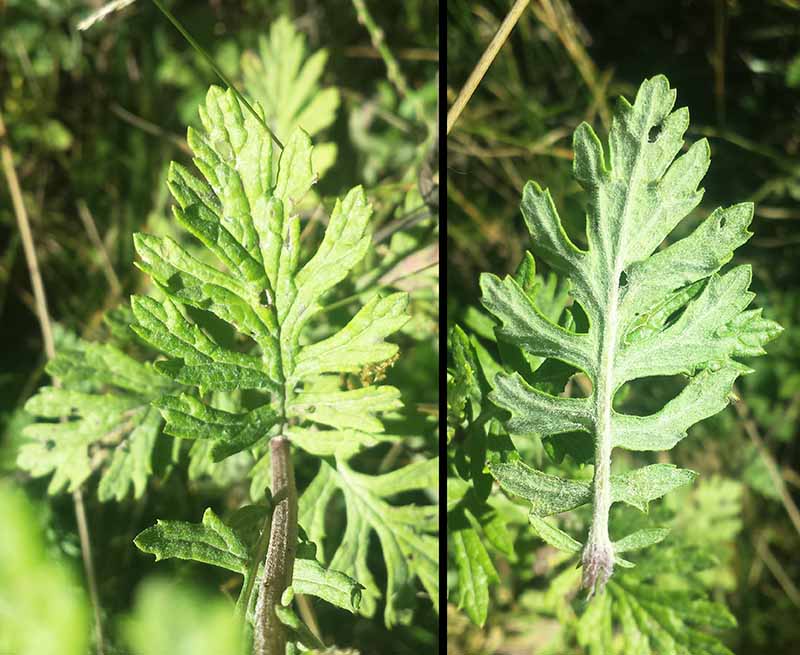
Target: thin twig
x,y
718,60
100,14
416,54
408,219
373,289
752,431
149,128
94,236
777,571
46,327
484,62
557,16
307,614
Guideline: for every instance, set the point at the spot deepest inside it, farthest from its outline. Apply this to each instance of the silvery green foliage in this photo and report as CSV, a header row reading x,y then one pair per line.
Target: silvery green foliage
x,y
649,314
107,423
244,212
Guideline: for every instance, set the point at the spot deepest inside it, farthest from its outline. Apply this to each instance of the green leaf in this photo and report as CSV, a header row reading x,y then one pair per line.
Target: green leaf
x,y
188,418
409,550
473,566
360,342
554,536
465,385
312,579
286,81
640,539
131,464
104,406
211,542
243,212
651,310
267,286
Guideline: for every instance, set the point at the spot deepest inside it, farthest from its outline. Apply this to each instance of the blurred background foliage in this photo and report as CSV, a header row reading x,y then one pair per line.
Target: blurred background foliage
x,y
93,119
736,65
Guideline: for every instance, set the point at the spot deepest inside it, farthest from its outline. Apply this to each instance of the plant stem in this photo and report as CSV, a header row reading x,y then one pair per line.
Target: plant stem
x,y
484,62
743,410
378,39
94,236
270,634
46,327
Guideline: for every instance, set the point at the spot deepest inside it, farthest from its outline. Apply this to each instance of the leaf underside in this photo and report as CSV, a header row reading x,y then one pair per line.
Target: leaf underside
x,y
651,310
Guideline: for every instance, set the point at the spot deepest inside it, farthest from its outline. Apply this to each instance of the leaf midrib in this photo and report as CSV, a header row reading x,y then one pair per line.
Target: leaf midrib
x,y
601,481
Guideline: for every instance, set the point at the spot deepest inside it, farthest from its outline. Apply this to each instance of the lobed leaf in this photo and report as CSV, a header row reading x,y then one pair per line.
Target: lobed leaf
x,y
105,422
649,314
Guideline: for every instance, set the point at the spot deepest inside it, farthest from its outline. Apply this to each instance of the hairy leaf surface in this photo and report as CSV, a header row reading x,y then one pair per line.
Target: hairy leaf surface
x,y
651,312
213,542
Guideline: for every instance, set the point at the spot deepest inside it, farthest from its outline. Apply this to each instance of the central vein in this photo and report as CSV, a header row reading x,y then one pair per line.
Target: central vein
x,y
598,555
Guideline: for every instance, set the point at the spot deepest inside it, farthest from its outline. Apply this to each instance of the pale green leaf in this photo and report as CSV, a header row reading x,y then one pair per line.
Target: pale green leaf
x,y
354,409
360,342
656,621
341,443
402,531
640,539
285,80
651,310
554,536
103,404
267,286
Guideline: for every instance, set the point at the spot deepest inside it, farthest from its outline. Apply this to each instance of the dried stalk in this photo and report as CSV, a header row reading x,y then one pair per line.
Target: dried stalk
x,y
46,327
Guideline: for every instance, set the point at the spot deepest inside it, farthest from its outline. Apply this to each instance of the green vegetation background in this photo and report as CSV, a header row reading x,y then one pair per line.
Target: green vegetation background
x,y
736,65
94,119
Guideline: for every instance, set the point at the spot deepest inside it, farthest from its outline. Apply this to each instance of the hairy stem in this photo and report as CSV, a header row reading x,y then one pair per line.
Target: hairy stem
x,y
270,634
